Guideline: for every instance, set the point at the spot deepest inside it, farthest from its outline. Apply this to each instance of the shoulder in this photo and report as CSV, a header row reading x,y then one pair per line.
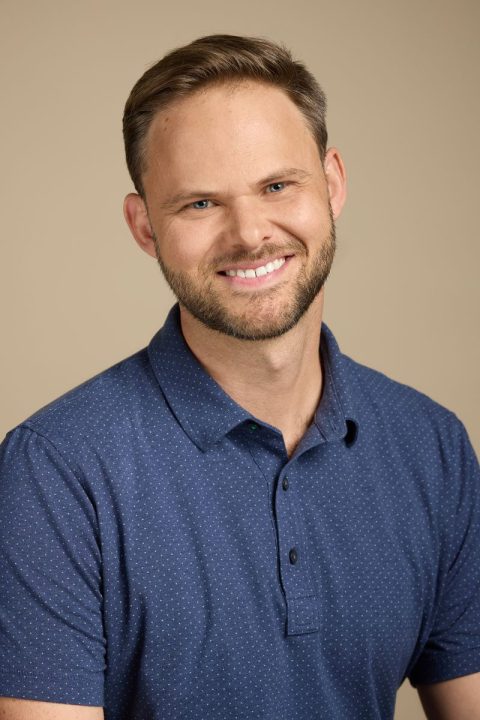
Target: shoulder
x,y
401,411
410,437
98,407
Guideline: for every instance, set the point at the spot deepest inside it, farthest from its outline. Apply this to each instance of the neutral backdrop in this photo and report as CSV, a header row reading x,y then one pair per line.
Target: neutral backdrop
x,y
402,82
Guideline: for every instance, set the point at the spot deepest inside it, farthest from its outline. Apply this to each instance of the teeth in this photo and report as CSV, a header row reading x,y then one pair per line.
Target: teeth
x,y
258,272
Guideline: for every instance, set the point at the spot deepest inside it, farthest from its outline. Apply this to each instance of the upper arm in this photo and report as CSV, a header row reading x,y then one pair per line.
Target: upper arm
x,y
450,647
52,643
457,699
16,709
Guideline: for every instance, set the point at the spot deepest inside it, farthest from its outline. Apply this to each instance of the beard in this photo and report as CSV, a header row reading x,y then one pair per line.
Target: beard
x,y
267,313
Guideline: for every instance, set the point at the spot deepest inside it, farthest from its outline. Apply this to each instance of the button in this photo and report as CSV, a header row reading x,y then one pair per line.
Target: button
x,y
293,556
253,426
351,434
285,483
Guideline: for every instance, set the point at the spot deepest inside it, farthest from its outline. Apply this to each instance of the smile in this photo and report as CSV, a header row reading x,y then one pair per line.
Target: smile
x,y
254,278
259,271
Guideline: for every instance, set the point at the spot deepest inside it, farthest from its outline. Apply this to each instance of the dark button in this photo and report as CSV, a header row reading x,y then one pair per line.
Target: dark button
x,y
351,434
253,426
293,556
285,483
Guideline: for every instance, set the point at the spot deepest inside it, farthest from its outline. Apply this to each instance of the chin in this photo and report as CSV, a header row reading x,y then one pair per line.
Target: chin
x,y
249,325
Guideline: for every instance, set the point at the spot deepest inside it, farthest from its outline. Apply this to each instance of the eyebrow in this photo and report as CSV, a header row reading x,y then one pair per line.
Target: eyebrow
x,y
186,195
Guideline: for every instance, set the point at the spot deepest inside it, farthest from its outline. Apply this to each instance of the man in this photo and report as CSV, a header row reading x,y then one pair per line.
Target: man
x,y
238,521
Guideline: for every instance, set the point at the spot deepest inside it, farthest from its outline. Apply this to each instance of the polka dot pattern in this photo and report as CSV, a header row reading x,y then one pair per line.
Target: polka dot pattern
x,y
162,556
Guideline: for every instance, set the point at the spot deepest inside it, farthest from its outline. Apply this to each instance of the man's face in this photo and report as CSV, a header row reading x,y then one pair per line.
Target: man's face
x,y
234,182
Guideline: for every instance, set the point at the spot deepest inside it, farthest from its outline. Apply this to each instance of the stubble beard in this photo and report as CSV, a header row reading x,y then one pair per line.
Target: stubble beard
x,y
262,317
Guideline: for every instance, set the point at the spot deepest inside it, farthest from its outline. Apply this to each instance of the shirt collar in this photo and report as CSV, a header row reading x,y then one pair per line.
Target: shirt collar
x,y
336,415
205,411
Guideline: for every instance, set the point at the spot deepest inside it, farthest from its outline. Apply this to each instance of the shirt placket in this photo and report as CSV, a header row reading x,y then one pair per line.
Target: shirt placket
x,y
294,562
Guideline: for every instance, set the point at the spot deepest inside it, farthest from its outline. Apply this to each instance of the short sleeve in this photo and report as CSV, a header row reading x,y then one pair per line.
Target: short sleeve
x,y
453,646
52,644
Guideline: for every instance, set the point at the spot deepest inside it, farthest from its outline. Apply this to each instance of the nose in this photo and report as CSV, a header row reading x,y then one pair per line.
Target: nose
x,y
247,225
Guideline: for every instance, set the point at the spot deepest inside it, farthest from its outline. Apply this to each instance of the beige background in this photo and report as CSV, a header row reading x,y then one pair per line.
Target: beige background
x,y
402,81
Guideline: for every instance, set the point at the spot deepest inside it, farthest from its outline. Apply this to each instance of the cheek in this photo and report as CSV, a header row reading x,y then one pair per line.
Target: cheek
x,y
308,219
184,246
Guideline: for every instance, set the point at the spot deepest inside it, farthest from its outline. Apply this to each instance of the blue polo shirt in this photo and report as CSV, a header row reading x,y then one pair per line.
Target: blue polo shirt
x,y
161,555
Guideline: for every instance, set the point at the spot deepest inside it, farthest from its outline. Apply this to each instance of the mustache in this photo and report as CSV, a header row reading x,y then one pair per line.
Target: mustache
x,y
268,249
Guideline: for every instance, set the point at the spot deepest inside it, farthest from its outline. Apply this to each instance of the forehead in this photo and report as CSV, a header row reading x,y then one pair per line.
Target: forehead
x,y
244,127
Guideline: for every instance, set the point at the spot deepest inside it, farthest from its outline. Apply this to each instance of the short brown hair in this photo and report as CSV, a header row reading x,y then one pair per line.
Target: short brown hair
x,y
216,59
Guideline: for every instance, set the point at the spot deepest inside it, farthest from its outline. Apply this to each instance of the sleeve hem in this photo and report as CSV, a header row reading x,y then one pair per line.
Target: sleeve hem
x,y
83,689
437,669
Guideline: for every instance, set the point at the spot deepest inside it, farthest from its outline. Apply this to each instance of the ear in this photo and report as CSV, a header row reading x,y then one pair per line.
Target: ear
x,y
336,180
136,215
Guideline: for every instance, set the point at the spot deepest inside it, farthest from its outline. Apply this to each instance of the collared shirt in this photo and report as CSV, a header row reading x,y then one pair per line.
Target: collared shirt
x,y
161,555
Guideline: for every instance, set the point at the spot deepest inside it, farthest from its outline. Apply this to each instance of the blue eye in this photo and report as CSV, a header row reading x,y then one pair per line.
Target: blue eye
x,y
276,187
200,204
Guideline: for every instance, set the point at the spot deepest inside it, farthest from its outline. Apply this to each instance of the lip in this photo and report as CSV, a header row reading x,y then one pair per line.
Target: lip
x,y
254,265
256,282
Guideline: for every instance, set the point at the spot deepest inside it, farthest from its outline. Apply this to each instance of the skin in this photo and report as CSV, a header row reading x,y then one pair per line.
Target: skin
x,y
456,699
16,709
227,140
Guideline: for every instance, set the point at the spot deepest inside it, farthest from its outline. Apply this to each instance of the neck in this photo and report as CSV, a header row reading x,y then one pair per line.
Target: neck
x,y
279,381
